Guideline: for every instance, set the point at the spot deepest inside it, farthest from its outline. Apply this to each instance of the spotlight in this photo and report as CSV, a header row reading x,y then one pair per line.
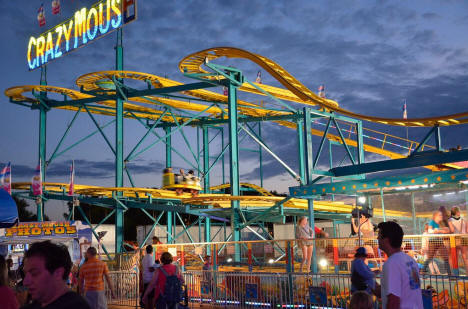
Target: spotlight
x,y
229,260
323,263
271,261
361,199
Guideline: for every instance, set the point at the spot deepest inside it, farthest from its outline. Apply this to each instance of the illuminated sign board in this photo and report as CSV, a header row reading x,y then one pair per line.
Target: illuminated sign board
x,y
84,27
39,229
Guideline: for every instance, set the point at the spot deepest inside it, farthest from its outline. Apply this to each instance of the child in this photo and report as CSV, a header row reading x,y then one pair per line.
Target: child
x,y
361,300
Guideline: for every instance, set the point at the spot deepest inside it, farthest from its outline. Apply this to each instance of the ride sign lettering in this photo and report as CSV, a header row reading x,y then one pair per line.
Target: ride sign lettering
x,y
41,229
84,27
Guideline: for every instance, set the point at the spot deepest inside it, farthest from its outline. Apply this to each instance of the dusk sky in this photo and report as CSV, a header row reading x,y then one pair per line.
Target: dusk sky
x,y
371,56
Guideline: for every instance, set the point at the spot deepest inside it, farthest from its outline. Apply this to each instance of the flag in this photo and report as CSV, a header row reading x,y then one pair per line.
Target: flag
x,y
55,7
225,91
259,77
5,178
405,114
37,181
41,16
321,91
71,187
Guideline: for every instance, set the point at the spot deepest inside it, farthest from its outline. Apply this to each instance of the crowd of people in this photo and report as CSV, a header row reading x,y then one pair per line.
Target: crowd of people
x,y
400,285
46,272
46,268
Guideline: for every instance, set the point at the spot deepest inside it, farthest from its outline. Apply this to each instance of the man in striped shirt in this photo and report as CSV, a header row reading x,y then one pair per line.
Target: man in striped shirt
x,y
92,275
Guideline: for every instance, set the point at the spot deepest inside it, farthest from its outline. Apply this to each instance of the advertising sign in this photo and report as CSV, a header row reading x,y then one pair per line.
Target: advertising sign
x,y
77,233
85,26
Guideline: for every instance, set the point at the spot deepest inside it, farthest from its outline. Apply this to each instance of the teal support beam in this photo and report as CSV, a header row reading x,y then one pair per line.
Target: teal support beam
x,y
42,142
64,135
168,134
222,157
382,203
234,159
330,153
308,153
322,142
260,154
423,142
206,179
119,156
340,133
206,160
310,208
413,210
422,158
360,143
438,140
170,238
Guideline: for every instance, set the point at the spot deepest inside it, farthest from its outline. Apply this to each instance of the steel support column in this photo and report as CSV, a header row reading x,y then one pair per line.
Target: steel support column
x,y
42,142
170,237
382,203
300,149
260,154
119,157
167,131
206,160
234,161
309,159
206,180
413,210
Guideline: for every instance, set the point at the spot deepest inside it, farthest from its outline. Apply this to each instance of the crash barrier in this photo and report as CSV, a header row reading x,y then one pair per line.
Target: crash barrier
x,y
284,290
126,289
439,254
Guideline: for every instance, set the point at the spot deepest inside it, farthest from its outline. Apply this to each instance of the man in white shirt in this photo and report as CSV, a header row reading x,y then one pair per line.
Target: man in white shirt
x,y
148,270
400,284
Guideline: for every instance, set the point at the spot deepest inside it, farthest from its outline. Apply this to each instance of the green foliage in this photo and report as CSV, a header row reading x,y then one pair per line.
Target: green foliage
x,y
23,213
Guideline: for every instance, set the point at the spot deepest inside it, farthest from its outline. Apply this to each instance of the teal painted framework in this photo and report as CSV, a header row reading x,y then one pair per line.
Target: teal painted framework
x,y
308,174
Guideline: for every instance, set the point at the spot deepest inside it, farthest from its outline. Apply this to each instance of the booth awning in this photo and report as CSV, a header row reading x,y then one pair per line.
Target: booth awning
x,y
8,210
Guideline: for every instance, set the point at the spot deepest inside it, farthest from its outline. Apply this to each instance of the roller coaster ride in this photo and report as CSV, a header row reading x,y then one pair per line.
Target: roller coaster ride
x,y
162,103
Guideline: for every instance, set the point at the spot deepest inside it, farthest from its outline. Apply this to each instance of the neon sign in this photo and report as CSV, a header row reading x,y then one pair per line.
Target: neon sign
x,y
84,27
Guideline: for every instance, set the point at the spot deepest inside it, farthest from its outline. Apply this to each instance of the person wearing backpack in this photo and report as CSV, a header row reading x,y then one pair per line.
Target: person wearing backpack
x,y
166,284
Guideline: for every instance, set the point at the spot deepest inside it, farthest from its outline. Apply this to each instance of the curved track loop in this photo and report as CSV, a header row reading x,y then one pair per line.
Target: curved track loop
x,y
97,80
193,64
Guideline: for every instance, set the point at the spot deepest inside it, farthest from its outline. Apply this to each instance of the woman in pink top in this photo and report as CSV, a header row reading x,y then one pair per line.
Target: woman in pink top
x,y
7,296
158,282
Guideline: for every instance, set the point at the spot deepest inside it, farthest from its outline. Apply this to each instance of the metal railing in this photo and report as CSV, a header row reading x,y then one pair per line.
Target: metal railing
x,y
282,290
126,289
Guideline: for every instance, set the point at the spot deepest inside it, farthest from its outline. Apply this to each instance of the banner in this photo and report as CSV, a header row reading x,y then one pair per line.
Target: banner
x,y
5,178
36,182
71,187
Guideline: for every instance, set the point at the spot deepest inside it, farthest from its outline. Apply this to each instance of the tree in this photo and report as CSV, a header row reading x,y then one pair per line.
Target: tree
x,y
23,213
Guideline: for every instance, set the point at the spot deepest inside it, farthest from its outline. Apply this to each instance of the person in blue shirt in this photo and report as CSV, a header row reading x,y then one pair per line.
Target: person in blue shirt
x,y
436,244
362,278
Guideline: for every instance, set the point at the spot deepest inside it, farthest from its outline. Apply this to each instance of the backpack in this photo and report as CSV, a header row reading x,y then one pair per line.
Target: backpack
x,y
172,289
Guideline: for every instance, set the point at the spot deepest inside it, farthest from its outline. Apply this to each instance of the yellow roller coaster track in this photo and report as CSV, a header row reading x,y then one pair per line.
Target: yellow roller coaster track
x,y
259,189
101,80
92,81
217,200
193,64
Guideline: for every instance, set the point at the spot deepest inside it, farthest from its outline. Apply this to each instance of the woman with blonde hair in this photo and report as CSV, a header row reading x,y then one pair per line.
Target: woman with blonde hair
x,y
304,236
